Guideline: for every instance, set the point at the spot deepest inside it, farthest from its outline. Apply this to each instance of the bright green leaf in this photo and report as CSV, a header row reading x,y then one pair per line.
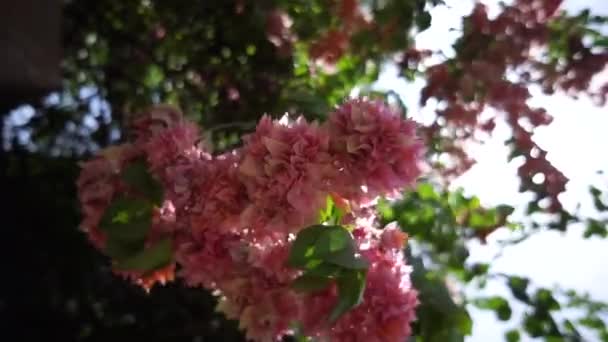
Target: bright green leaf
x,y
331,213
303,246
474,203
318,245
465,323
483,219
426,191
385,209
497,304
593,323
351,285
333,239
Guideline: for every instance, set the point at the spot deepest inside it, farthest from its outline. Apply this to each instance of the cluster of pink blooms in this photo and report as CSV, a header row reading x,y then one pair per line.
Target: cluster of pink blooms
x,y
496,61
232,217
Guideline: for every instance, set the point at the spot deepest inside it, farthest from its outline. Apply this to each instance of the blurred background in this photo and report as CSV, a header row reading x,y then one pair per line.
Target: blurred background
x,y
507,228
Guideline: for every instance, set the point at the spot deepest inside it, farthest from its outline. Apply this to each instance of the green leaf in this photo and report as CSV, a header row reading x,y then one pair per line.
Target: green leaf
x,y
331,213
512,336
348,259
518,286
303,246
333,239
136,175
120,250
385,209
504,210
544,300
423,21
324,269
533,326
483,219
351,285
318,243
149,259
571,329
601,42
597,198
310,283
595,227
474,203
154,76
127,219
427,192
465,323
497,304
593,323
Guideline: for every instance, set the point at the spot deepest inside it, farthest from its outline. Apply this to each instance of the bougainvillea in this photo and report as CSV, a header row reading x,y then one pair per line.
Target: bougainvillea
x,y
280,229
497,59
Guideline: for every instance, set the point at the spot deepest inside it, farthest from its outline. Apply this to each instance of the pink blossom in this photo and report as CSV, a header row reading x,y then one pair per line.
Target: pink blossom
x,y
389,302
392,237
270,316
220,197
377,148
209,258
286,169
231,217
148,123
167,145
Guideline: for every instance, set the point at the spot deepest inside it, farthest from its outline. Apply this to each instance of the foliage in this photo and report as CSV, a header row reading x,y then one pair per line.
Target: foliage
x,y
327,253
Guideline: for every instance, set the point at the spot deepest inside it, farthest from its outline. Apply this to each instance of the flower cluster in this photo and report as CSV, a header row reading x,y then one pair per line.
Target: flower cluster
x,y
496,60
229,221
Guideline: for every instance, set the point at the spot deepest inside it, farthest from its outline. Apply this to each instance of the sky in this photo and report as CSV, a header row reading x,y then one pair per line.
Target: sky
x,y
574,142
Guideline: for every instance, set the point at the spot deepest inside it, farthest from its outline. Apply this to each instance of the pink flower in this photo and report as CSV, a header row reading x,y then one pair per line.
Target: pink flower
x,y
219,196
286,169
230,217
153,120
392,237
164,135
269,317
210,258
378,150
389,302
269,258
169,144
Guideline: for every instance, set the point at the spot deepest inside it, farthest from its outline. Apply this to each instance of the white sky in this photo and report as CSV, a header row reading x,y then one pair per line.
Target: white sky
x,y
574,142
